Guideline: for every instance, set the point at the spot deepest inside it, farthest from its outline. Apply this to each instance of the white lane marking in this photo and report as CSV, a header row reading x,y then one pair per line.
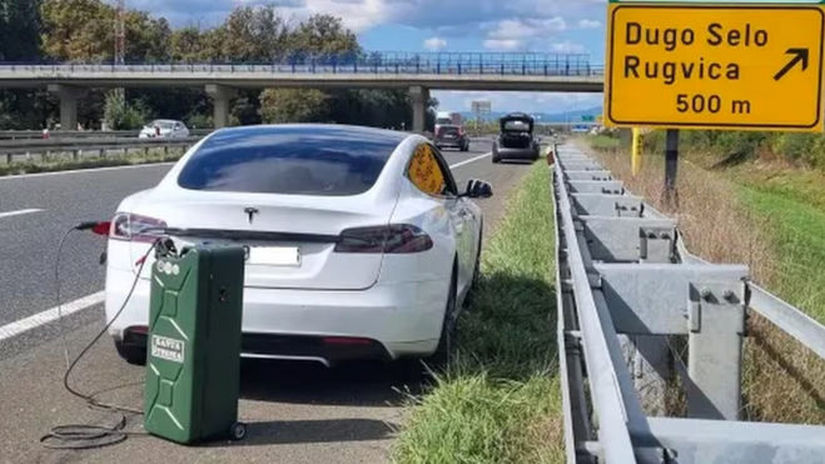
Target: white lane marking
x,y
83,171
50,315
20,212
462,163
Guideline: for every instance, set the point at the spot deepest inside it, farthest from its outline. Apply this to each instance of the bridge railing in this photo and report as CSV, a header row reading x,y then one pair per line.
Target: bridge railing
x,y
507,64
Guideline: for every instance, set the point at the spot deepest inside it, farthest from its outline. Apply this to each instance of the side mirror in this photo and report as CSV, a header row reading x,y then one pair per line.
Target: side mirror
x,y
478,189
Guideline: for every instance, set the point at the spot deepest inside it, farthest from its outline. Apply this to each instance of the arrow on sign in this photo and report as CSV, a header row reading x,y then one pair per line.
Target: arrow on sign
x,y
799,54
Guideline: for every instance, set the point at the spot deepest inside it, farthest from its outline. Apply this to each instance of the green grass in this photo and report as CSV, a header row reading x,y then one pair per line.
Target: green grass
x,y
797,232
65,164
603,142
500,400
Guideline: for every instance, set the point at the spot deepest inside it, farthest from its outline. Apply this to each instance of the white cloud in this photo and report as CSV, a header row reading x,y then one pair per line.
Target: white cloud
x,y
435,44
503,45
522,33
589,24
527,28
567,47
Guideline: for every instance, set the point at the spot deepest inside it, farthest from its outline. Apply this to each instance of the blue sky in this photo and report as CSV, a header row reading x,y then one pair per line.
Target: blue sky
x,y
574,26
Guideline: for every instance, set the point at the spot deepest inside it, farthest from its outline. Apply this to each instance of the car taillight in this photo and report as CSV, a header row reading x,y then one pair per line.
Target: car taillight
x,y
396,238
136,228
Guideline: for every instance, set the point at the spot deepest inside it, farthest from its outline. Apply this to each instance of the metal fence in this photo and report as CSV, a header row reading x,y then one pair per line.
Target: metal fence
x,y
59,134
635,311
26,150
508,64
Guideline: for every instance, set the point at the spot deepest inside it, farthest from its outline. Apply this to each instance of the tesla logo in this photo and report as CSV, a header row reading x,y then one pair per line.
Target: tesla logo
x,y
251,212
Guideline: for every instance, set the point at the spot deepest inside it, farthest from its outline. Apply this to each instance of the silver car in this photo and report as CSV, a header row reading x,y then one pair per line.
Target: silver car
x,y
164,128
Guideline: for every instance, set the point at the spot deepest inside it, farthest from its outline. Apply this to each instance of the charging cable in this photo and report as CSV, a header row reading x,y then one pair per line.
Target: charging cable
x,y
84,436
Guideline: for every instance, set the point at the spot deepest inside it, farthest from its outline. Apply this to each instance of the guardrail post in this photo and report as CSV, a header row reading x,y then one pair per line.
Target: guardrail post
x,y
716,319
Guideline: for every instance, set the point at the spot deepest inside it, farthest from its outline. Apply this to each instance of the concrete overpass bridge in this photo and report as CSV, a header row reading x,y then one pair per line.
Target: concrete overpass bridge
x,y
417,72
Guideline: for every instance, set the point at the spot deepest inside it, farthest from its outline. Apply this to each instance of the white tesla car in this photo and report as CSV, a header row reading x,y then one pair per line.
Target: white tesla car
x,y
373,251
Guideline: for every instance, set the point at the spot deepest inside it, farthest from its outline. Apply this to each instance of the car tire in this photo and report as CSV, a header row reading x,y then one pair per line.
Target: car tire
x,y
132,354
439,361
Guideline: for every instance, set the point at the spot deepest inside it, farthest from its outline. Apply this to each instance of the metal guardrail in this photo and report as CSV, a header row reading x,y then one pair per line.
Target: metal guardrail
x,y
76,147
59,134
628,289
528,64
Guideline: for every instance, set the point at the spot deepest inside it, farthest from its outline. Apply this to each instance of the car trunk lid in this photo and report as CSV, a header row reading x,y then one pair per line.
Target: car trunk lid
x,y
289,239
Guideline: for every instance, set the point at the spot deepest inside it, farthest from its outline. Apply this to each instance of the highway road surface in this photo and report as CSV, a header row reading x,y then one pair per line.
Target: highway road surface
x,y
297,412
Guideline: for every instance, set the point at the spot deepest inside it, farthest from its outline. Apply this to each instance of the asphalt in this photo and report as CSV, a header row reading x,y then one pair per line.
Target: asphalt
x,y
296,412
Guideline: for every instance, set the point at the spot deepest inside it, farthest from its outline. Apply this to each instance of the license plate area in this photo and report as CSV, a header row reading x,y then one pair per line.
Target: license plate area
x,y
273,256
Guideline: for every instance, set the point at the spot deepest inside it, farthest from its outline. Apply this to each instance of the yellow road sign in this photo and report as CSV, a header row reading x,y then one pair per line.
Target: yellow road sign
x,y
746,66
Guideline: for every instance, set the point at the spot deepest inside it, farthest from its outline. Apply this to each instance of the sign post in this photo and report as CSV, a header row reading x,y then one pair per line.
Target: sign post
x,y
671,167
636,151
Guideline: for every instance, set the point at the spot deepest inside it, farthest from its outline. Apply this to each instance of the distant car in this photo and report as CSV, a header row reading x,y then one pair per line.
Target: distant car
x,y
516,139
164,128
360,243
452,136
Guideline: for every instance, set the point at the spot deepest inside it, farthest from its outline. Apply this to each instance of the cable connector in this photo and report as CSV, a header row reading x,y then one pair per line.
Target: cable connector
x,y
97,227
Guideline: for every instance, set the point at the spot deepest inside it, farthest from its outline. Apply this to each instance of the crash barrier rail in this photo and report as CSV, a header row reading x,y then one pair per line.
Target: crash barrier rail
x,y
9,149
76,134
530,64
635,311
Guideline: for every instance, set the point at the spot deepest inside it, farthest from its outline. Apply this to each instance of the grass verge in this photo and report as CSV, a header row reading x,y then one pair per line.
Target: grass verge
x,y
739,215
500,401
68,164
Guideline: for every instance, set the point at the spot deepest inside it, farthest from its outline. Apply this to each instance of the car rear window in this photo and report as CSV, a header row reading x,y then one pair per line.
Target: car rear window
x,y
517,125
163,124
299,160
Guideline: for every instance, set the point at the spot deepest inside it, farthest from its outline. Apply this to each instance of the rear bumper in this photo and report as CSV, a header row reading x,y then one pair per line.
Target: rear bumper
x,y
460,142
404,319
325,350
516,153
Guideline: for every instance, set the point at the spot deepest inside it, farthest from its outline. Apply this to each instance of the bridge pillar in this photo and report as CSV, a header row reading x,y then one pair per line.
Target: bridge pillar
x,y
420,97
221,99
68,104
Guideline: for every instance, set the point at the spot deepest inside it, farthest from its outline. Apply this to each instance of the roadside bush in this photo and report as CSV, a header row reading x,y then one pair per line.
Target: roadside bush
x,y
122,115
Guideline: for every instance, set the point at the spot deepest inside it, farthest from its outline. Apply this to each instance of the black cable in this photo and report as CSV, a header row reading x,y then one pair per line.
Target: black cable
x,y
84,436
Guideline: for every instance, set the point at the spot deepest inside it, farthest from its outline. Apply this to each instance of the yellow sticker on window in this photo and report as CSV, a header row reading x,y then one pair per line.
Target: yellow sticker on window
x,y
425,172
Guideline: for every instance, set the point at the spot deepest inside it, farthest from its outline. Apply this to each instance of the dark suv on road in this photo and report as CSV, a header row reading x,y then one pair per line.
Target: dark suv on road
x,y
449,135
516,139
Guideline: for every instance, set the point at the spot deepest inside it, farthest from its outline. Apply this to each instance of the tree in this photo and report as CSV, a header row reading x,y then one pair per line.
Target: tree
x,y
293,105
187,45
77,30
322,33
251,34
122,115
19,30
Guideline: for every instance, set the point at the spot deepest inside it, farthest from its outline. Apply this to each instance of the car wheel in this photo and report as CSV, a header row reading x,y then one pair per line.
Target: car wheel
x,y
439,360
131,353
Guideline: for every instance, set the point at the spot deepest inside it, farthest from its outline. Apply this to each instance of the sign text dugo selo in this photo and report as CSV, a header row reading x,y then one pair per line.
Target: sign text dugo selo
x,y
716,66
